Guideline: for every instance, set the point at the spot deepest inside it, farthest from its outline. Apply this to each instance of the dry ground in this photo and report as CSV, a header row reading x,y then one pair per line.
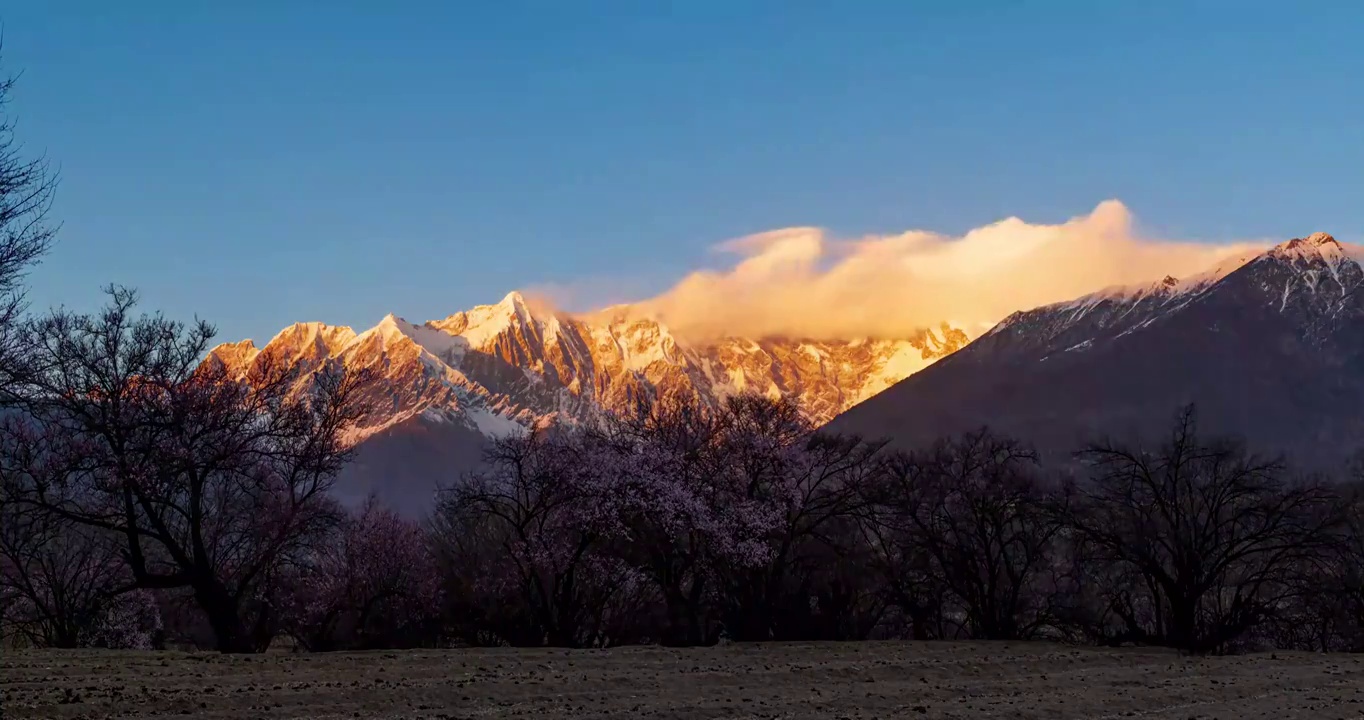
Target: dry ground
x,y
865,680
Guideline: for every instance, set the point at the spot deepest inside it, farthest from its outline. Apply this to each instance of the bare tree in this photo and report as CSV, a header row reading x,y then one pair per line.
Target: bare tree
x,y
1348,573
905,571
974,508
210,480
1328,612
538,511
26,189
57,577
1212,533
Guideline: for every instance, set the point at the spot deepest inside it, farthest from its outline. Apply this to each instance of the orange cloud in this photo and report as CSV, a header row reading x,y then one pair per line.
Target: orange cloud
x,y
799,282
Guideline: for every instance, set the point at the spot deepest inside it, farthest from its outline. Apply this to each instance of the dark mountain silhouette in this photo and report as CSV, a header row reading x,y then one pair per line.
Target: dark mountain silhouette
x,y
1270,348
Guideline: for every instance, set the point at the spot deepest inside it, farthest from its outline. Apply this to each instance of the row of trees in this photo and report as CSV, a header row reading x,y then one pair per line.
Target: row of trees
x,y
682,525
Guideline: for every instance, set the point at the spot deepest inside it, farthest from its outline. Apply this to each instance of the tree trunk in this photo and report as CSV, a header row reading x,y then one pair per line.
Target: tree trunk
x,y
918,623
1183,622
229,632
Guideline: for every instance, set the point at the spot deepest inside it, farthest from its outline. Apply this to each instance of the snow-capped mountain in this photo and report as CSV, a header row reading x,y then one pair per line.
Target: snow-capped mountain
x,y
1270,347
497,366
443,384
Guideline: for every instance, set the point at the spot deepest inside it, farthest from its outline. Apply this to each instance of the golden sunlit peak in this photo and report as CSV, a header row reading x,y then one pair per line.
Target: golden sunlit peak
x,y
1316,239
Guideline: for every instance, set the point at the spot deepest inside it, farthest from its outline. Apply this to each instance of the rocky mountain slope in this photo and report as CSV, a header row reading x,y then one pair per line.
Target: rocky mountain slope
x,y
1270,347
445,385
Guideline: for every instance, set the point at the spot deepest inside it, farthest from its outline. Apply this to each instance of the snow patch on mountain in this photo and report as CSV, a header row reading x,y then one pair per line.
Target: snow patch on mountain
x,y
480,325
492,424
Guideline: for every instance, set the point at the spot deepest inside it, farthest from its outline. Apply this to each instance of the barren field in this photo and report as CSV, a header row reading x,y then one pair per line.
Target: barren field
x,y
865,680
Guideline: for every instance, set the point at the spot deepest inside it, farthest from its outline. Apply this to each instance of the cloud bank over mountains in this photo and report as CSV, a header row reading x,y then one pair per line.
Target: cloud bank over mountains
x,y
800,282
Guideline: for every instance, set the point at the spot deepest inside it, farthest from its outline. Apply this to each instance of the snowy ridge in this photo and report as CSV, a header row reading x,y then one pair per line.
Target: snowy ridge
x,y
1317,268
496,368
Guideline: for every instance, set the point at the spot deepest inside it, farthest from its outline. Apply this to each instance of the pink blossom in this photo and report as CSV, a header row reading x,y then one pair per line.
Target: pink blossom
x,y
370,584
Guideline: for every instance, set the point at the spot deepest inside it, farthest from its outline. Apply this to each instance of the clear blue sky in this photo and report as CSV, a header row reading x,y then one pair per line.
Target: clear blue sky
x,y
262,162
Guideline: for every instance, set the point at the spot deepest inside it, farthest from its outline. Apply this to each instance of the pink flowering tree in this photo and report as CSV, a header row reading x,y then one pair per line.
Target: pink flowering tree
x,y
701,498
534,523
371,584
127,621
808,490
672,524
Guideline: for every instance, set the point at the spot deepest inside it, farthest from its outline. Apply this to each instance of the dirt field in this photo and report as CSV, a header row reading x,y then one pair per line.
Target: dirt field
x,y
868,680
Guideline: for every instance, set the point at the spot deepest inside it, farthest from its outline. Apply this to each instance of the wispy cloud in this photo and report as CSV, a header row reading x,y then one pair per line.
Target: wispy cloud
x,y
800,282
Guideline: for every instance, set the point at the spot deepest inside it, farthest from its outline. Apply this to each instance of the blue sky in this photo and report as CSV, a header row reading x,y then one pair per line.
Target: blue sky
x,y
258,163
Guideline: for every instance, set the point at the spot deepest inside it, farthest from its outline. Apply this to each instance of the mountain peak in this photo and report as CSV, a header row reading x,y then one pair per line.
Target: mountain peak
x,y
515,305
1316,247
391,329
235,355
312,329
1315,240
484,323
311,339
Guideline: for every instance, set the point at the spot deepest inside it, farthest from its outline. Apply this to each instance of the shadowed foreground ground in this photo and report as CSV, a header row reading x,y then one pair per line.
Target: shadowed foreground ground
x,y
866,680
